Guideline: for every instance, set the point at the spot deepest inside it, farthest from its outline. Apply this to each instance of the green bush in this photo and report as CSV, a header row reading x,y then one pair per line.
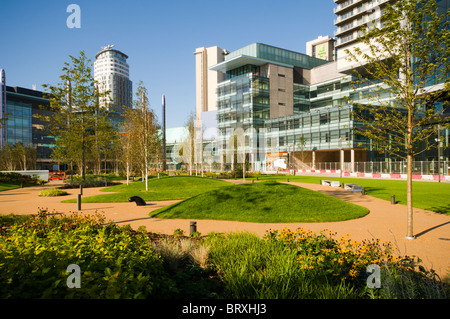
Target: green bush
x,y
114,262
17,178
52,192
89,181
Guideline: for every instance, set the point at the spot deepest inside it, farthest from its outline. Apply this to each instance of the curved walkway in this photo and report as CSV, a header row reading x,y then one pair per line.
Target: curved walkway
x,y
385,221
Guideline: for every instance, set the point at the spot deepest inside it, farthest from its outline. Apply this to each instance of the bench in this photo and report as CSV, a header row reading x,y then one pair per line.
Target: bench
x,y
354,188
331,183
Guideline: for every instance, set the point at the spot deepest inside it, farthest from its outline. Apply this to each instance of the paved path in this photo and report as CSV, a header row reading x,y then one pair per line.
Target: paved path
x,y
385,221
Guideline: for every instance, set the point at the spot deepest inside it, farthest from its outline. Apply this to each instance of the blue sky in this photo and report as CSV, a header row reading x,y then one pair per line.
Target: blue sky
x,y
158,36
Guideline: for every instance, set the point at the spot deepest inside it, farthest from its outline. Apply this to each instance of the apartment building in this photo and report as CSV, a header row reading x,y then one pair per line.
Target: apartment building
x,y
112,72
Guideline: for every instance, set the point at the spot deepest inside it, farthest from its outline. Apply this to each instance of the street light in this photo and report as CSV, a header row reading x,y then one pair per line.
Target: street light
x,y
438,140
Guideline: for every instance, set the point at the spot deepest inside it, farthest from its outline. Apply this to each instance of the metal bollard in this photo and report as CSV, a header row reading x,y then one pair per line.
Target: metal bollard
x,y
363,191
192,228
393,199
287,179
78,201
81,190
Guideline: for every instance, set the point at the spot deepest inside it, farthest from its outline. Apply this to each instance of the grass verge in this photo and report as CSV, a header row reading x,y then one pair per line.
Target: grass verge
x,y
430,196
7,186
165,188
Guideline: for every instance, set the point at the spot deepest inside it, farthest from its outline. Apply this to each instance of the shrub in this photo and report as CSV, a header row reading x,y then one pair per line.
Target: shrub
x,y
89,181
17,178
52,192
114,262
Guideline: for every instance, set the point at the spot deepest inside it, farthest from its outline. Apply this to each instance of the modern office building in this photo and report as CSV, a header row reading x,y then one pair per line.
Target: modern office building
x,y
322,48
112,72
20,123
2,108
292,108
275,96
206,80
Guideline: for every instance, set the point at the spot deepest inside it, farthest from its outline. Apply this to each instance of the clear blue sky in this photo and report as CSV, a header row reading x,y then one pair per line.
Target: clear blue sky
x,y
158,36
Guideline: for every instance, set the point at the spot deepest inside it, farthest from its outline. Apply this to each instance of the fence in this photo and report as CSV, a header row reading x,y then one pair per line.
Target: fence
x,y
419,167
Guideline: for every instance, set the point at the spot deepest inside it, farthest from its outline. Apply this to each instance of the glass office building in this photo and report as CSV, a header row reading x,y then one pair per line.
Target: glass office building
x,y
269,95
21,107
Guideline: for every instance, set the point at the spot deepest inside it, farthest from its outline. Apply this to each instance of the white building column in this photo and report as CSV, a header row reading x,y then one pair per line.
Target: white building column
x,y
352,160
313,159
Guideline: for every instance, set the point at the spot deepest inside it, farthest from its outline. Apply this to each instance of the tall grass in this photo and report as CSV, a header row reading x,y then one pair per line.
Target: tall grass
x,y
256,269
302,265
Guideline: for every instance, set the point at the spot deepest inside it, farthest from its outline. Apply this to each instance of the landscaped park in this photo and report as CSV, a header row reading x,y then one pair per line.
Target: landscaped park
x,y
272,236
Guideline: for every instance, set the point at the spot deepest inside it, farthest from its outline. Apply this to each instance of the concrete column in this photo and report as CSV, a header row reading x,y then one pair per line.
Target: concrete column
x,y
352,155
341,157
313,159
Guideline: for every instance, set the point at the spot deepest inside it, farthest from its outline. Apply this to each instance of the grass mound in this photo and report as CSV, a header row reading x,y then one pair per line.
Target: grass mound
x,y
265,202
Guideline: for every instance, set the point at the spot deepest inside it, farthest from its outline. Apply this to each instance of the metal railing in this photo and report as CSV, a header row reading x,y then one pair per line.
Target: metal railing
x,y
419,167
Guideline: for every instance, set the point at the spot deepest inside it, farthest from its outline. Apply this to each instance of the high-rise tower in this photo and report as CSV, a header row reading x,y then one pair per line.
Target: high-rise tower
x,y
111,71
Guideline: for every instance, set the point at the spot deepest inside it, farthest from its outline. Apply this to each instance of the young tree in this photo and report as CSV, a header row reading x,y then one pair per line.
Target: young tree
x,y
401,56
140,141
74,123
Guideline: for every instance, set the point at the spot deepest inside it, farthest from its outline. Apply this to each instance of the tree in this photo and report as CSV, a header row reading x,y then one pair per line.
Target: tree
x,y
76,114
18,157
399,58
140,141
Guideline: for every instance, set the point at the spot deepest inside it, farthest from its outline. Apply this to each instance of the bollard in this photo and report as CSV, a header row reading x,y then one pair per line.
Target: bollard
x,y
79,202
81,189
256,177
106,182
393,199
253,180
192,228
287,179
320,182
363,191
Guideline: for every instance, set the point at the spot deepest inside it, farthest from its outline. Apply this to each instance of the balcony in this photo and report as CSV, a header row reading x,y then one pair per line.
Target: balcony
x,y
347,5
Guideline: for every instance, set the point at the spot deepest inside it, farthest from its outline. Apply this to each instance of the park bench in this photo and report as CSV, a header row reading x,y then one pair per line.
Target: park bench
x,y
331,183
354,188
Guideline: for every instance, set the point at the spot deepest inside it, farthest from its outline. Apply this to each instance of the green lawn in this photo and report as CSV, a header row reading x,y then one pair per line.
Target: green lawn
x,y
426,195
7,186
165,188
265,202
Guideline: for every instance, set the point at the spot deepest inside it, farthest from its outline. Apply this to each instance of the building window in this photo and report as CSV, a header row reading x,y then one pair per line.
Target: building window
x,y
282,104
281,75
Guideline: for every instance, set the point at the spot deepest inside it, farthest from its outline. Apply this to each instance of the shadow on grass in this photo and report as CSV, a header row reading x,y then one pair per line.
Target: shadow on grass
x,y
445,210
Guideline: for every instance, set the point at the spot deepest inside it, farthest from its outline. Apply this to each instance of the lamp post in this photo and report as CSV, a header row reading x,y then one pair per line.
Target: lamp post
x,y
438,140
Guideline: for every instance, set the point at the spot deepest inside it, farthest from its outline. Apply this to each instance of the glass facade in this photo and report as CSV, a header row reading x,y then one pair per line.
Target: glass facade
x,y
277,55
19,121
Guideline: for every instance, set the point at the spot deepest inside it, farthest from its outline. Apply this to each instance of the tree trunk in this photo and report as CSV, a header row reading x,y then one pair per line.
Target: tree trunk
x,y
128,173
410,233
